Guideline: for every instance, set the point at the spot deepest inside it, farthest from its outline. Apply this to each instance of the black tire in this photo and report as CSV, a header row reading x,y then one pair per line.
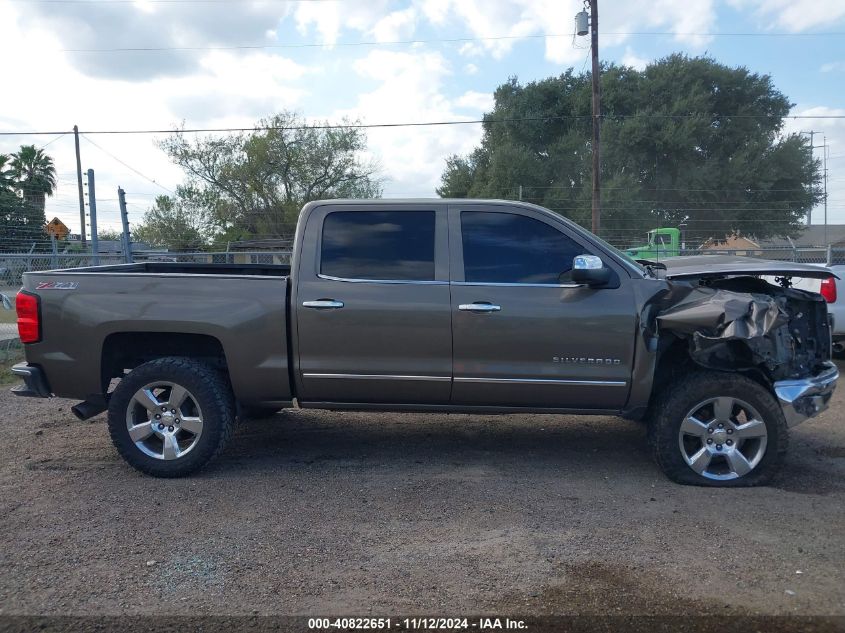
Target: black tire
x,y
678,400
256,413
210,391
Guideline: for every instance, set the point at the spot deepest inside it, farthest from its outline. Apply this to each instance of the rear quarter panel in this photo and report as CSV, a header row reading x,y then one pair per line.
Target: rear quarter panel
x,y
246,314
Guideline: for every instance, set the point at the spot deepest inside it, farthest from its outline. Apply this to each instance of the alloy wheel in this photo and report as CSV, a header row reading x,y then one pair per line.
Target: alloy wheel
x,y
722,438
164,420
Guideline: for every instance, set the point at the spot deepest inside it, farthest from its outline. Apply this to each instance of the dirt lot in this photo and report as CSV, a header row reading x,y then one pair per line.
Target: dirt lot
x,y
316,513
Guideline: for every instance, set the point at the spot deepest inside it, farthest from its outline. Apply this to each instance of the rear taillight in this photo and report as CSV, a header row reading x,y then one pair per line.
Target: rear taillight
x,y
828,289
29,317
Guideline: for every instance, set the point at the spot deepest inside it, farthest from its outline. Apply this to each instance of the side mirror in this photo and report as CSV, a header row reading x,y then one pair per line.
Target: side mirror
x,y
590,270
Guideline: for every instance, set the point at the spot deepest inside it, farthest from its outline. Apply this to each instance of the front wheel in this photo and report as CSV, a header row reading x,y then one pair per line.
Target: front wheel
x,y
171,416
718,429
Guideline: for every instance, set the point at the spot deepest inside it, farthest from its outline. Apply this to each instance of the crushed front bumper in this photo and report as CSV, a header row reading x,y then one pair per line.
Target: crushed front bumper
x,y
806,397
35,383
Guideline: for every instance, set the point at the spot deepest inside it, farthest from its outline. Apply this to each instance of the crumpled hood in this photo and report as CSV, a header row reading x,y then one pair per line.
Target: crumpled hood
x,y
744,321
724,313
704,266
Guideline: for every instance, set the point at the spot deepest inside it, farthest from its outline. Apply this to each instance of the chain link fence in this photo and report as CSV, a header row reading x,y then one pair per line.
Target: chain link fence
x,y
14,265
804,254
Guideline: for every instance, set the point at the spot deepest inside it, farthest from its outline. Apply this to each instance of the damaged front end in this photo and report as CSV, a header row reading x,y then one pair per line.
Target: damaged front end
x,y
746,324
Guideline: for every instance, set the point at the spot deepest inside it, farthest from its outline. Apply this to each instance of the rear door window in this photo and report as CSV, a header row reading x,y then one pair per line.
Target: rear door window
x,y
378,245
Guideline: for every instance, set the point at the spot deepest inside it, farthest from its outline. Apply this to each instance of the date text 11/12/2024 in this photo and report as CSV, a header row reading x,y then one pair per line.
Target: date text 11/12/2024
x,y
417,624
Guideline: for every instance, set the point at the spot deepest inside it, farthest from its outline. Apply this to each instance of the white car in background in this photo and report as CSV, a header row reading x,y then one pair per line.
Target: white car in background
x,y
833,290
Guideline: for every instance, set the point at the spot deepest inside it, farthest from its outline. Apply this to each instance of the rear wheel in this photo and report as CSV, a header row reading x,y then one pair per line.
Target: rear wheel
x,y
718,429
171,416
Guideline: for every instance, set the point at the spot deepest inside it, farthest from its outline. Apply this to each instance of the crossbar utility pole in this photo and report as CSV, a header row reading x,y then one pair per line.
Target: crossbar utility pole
x,y
594,52
124,219
79,185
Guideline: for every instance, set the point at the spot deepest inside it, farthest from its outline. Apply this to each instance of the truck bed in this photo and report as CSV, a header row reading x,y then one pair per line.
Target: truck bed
x,y
237,312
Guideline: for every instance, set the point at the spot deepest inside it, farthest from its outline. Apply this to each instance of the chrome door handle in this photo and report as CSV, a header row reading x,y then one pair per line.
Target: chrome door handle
x,y
323,304
481,306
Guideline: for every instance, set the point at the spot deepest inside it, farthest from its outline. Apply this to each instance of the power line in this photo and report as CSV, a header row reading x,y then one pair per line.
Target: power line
x,y
450,40
48,143
119,2
130,167
335,126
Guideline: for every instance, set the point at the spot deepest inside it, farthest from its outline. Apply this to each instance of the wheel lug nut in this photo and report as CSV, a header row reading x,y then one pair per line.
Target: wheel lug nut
x,y
730,431
710,430
176,420
158,416
729,442
164,408
709,440
173,411
160,427
721,426
170,428
718,447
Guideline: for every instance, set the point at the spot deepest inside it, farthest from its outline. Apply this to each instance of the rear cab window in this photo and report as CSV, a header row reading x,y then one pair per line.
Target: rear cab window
x,y
378,245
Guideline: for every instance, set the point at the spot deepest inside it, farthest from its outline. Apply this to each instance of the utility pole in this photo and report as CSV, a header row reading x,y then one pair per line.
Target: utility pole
x,y
594,46
124,219
824,146
79,184
92,208
581,28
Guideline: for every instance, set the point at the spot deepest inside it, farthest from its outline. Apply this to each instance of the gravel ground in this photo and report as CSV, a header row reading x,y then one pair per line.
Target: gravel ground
x,y
320,512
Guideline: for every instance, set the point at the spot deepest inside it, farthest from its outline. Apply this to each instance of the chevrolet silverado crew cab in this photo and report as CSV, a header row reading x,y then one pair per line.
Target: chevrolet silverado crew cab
x,y
438,305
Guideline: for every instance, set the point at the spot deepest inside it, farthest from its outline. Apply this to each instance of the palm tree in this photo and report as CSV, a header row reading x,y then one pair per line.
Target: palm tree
x,y
7,178
35,175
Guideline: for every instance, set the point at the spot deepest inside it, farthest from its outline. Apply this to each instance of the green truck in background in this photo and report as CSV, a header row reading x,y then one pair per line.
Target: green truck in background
x,y
662,243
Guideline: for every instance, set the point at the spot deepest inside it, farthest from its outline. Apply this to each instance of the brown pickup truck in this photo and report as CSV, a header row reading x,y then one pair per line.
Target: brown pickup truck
x,y
438,305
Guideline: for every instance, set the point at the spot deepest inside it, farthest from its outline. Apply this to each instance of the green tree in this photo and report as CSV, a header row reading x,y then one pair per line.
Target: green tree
x,y
26,178
7,177
686,140
254,184
174,223
110,235
35,176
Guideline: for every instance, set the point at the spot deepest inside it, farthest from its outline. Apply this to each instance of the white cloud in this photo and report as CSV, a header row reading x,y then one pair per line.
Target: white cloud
x,y
633,60
832,67
795,15
411,89
503,23
479,101
435,10
329,19
471,69
396,25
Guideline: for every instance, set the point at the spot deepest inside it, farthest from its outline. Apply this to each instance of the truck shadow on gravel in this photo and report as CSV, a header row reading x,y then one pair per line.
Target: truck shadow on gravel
x,y
299,439
595,446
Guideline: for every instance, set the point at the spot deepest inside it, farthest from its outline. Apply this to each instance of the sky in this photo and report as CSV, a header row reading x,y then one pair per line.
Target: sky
x,y
228,63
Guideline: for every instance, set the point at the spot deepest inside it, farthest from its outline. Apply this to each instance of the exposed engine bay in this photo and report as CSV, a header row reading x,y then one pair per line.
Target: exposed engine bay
x,y
744,322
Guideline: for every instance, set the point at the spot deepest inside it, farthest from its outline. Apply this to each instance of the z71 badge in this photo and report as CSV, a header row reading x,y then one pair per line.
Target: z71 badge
x,y
57,285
